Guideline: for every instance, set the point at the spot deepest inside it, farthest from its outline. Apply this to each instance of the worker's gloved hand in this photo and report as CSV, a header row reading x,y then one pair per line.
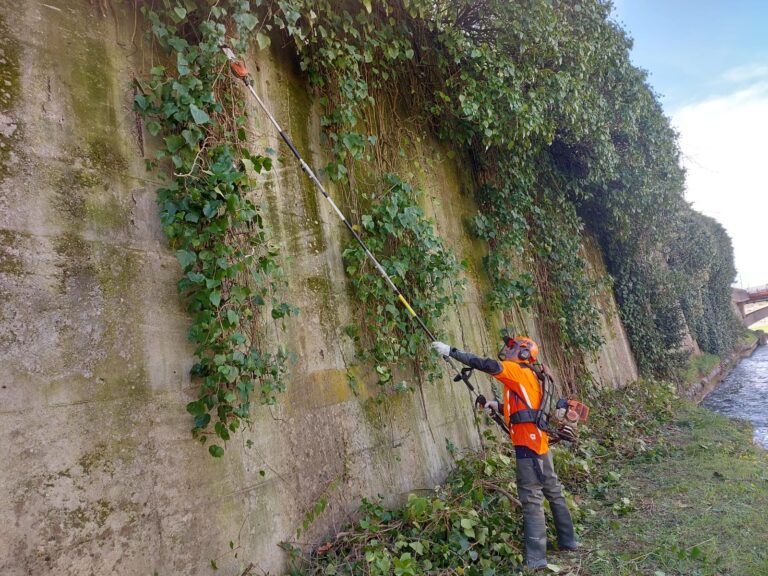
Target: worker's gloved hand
x,y
442,348
567,433
492,406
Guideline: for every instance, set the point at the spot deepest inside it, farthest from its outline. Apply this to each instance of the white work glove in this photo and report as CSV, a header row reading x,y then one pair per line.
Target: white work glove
x,y
442,348
492,406
489,406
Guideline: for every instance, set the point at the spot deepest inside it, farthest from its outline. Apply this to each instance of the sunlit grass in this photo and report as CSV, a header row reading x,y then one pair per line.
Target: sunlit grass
x,y
699,510
700,366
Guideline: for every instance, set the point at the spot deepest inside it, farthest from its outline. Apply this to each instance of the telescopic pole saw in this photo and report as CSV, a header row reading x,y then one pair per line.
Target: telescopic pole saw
x,y
239,69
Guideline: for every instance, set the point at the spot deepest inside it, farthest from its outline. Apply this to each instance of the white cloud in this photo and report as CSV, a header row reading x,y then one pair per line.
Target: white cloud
x,y
746,73
724,141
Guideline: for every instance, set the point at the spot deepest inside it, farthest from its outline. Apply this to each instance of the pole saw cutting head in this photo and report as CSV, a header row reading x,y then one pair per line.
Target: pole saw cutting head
x,y
237,65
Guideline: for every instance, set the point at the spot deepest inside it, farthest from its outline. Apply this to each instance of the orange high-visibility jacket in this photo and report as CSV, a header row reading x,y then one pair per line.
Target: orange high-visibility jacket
x,y
522,383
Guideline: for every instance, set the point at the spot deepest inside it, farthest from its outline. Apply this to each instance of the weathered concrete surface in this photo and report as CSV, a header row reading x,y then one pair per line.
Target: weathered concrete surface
x,y
614,365
99,473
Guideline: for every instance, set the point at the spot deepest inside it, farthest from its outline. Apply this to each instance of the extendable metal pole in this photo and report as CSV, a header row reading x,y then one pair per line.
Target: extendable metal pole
x,y
239,69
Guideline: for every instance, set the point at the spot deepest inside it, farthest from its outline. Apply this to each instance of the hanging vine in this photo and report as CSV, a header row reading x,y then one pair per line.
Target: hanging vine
x,y
352,61
231,271
564,134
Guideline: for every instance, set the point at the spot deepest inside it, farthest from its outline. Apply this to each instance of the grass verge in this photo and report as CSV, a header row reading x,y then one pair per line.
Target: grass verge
x,y
698,509
700,366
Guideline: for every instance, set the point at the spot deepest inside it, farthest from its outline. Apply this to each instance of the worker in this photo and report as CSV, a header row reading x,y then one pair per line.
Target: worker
x,y
536,477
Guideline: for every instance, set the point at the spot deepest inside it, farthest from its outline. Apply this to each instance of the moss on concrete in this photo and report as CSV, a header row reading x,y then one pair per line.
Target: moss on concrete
x,y
10,87
89,461
324,304
75,258
10,262
325,387
105,154
91,92
70,193
9,67
298,121
94,513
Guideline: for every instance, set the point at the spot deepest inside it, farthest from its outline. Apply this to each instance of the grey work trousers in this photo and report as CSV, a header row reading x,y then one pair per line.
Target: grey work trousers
x,y
532,486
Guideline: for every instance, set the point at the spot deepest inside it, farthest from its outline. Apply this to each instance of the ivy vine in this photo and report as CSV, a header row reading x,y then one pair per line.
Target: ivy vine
x,y
398,232
564,135
232,276
352,61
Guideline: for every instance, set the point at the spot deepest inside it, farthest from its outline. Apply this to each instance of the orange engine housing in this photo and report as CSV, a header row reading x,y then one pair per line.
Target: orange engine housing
x,y
576,412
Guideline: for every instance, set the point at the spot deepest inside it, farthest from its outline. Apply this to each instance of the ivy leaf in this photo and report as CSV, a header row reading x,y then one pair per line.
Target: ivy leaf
x,y
196,408
239,293
248,165
216,451
154,128
178,44
221,431
215,297
173,143
181,12
198,115
263,40
367,4
182,65
186,258
248,20
211,208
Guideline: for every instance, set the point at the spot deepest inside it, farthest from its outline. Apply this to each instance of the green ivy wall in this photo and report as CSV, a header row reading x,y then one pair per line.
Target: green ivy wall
x,y
100,474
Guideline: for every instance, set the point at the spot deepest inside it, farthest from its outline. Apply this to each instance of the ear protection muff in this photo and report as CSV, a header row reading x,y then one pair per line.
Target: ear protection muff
x,y
522,353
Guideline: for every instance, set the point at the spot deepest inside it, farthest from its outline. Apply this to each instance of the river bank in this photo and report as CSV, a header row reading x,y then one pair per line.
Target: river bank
x,y
696,509
700,389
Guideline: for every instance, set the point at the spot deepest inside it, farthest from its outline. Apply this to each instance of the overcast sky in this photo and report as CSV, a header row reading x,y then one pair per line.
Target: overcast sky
x,y
708,61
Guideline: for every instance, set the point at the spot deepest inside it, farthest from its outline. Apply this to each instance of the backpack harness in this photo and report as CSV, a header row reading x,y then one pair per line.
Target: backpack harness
x,y
540,416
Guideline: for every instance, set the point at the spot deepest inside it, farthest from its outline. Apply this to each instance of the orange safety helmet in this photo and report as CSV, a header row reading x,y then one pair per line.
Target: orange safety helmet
x,y
519,349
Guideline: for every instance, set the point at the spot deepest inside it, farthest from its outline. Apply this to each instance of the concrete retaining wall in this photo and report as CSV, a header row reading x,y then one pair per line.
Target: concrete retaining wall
x,y
99,472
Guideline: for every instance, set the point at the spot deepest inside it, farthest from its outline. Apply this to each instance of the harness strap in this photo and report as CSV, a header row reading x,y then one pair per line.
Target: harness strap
x,y
524,416
529,415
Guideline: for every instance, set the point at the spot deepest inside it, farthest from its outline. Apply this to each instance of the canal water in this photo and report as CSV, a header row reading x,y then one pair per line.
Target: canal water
x,y
744,394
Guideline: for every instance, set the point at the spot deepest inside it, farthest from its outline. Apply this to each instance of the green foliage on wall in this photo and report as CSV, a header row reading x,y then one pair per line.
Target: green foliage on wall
x,y
564,136
562,133
701,261
232,275
351,60
415,258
